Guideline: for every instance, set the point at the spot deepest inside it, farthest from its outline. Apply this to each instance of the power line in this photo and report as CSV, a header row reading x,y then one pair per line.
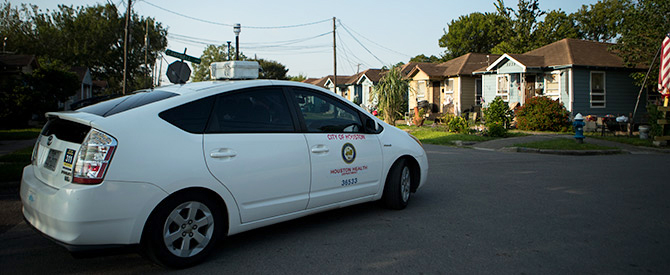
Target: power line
x,y
373,41
232,25
359,42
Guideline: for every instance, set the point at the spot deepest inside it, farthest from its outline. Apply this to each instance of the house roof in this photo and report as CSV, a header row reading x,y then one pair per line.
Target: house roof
x,y
566,52
468,63
463,65
373,75
19,60
80,71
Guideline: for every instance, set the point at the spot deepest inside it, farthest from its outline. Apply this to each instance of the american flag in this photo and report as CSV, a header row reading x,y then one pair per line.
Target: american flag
x,y
664,70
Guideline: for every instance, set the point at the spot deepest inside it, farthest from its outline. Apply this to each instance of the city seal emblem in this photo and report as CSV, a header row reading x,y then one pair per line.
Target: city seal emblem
x,y
348,153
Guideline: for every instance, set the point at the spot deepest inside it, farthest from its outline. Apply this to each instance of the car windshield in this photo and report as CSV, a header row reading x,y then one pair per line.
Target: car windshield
x,y
122,104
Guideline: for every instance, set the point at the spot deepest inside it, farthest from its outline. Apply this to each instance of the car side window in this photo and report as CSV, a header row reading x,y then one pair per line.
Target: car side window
x,y
261,110
190,117
324,114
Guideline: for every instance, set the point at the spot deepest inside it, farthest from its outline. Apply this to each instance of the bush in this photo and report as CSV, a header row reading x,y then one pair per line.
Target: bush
x,y
498,112
495,129
654,115
543,114
458,125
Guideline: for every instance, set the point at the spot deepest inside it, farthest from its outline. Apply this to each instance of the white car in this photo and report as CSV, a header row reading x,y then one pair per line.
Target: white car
x,y
176,168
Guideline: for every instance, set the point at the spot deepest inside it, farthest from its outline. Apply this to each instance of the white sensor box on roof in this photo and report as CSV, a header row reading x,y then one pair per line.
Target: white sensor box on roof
x,y
235,70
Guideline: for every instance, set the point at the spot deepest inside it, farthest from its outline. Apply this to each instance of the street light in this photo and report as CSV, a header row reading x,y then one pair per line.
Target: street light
x,y
236,29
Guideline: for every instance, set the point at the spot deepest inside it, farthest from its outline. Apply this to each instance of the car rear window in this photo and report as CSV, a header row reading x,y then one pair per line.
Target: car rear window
x,y
122,104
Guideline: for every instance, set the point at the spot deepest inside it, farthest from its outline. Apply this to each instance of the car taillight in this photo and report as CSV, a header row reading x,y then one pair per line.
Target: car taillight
x,y
93,158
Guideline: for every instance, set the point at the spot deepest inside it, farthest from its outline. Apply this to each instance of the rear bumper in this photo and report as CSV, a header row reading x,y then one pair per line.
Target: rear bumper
x,y
95,216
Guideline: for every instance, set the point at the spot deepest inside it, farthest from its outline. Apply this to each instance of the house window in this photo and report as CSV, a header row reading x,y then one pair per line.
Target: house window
x,y
597,89
552,84
502,87
478,91
421,89
449,86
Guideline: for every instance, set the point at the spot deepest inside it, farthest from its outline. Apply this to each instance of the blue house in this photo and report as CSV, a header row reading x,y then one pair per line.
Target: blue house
x,y
583,75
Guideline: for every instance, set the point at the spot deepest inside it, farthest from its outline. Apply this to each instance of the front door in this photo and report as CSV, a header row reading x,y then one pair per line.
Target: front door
x,y
530,88
346,162
435,107
251,146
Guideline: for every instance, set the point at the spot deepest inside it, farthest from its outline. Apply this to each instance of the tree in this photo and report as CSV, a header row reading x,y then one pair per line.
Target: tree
x,y
298,78
272,70
426,59
644,26
391,94
36,93
211,54
557,25
602,21
474,33
523,36
85,36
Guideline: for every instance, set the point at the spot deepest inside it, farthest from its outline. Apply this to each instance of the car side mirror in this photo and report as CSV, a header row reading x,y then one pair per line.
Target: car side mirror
x,y
371,126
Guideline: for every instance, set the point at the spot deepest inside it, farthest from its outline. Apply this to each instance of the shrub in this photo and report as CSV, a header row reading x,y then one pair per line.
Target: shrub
x,y
496,129
543,114
498,112
654,115
458,125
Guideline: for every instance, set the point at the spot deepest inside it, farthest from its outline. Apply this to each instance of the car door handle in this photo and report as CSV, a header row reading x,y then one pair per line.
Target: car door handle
x,y
223,153
320,149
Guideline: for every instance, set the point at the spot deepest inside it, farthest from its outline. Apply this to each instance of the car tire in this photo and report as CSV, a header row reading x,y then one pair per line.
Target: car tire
x,y
183,230
397,190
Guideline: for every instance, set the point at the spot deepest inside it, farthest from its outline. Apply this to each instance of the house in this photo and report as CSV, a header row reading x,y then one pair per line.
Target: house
x,y
356,88
15,64
585,76
448,87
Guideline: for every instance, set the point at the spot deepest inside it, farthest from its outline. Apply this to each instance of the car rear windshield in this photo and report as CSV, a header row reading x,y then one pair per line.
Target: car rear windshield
x,y
122,104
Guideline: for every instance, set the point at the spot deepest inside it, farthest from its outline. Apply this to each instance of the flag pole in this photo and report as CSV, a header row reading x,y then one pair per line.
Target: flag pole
x,y
630,130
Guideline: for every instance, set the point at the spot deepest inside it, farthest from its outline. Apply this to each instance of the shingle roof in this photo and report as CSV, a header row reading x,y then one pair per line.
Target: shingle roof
x,y
19,60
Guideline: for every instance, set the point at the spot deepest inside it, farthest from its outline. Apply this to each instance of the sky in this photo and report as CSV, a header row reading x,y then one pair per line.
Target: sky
x,y
298,34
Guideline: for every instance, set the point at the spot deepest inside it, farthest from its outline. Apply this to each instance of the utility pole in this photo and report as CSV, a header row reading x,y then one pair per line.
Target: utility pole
x,y
334,59
160,68
125,49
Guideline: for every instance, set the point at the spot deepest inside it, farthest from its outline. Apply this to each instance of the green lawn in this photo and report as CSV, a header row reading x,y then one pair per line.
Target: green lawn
x,y
562,144
634,140
17,134
11,165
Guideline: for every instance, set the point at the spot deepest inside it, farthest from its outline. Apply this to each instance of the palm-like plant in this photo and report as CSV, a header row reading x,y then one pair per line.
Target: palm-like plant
x,y
391,94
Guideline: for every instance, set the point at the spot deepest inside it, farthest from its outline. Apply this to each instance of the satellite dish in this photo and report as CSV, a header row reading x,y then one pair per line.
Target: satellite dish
x,y
178,72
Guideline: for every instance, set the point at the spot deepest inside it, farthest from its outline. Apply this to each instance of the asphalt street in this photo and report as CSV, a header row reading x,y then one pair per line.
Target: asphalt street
x,y
481,212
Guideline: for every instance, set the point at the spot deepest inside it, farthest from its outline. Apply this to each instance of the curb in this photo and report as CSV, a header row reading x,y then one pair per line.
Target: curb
x,y
563,152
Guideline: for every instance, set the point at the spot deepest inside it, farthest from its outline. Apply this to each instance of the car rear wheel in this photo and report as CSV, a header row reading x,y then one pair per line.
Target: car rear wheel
x,y
397,189
183,230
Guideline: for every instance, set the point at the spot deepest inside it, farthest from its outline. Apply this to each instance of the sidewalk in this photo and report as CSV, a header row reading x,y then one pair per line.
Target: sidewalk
x,y
506,144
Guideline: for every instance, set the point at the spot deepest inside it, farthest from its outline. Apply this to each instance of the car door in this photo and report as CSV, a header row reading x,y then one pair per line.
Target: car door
x,y
251,145
346,161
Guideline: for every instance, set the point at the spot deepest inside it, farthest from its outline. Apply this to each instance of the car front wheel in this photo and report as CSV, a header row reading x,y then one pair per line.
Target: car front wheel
x,y
397,189
183,230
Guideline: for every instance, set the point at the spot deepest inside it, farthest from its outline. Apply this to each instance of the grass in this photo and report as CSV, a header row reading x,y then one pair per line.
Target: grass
x,y
438,135
11,165
634,140
562,144
18,134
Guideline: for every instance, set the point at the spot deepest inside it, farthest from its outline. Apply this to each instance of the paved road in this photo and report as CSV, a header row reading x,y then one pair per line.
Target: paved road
x,y
481,212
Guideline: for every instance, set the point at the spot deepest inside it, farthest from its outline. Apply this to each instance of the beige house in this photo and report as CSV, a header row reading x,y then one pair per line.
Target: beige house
x,y
448,87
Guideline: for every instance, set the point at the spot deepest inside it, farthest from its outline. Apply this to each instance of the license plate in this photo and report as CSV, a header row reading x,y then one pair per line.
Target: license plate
x,y
52,159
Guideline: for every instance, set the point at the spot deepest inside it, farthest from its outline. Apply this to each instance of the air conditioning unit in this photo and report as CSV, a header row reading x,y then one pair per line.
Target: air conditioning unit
x,y
234,70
